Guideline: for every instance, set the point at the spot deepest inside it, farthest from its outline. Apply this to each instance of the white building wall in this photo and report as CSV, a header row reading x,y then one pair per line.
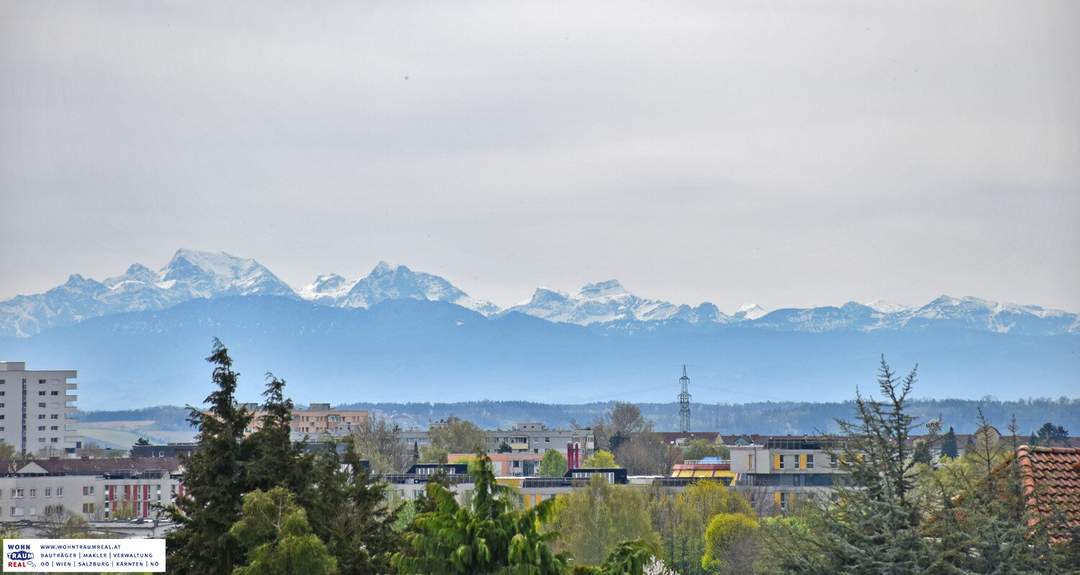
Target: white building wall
x,y
35,409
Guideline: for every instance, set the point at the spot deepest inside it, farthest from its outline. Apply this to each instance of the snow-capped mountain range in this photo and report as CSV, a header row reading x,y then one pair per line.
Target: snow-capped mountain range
x,y
194,274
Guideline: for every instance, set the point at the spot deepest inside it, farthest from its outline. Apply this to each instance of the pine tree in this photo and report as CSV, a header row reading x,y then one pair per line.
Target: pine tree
x,y
948,444
874,525
348,510
275,460
214,480
277,539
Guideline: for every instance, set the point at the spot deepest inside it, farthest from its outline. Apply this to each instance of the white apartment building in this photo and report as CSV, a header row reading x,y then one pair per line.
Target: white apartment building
x,y
94,489
35,408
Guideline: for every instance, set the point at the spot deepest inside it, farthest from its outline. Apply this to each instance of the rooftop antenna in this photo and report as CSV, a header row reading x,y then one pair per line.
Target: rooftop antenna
x,y
684,403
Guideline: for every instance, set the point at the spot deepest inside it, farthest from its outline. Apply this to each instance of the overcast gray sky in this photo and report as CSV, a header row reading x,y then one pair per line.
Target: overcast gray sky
x,y
786,153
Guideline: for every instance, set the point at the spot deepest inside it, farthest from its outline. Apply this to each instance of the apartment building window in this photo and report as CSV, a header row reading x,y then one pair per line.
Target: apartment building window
x,y
3,381
54,393
54,440
781,458
41,393
41,405
41,428
54,428
33,493
832,460
54,416
1,427
88,508
41,416
810,461
41,381
48,492
1,393
41,440
88,490
1,416
796,458
18,493
59,491
783,501
1,406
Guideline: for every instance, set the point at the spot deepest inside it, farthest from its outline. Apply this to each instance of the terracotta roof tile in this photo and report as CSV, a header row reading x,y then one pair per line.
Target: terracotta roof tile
x,y
1051,481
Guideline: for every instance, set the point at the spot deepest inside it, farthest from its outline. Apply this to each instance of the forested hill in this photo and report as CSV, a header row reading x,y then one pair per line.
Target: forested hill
x,y
761,417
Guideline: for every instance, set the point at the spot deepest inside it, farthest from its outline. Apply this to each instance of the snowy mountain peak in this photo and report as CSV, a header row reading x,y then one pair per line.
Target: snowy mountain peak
x,y
197,274
327,289
389,282
384,267
883,306
750,311
212,274
607,288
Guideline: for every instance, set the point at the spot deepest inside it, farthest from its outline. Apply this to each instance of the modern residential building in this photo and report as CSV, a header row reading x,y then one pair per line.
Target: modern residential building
x,y
315,420
94,489
505,464
535,437
526,437
707,468
784,468
168,450
36,408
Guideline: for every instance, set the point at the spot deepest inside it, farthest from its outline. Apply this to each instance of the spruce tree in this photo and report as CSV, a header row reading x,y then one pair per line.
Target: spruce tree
x,y
275,460
948,444
348,509
874,525
214,480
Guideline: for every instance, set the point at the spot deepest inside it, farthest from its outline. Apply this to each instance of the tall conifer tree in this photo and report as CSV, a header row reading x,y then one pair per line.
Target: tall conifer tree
x,y
214,480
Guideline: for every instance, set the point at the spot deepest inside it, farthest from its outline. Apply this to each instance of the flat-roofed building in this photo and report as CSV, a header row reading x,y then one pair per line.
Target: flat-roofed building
x,y
36,408
94,489
315,420
785,468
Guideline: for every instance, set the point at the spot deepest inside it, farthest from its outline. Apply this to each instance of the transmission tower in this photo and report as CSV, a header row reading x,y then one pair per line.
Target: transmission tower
x,y
684,403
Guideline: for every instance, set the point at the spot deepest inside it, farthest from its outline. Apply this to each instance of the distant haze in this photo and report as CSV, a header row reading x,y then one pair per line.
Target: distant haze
x,y
783,153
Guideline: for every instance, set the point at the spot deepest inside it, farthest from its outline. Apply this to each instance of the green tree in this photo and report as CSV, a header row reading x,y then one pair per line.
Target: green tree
x,y
433,454
275,535
487,535
455,435
553,464
214,480
1050,434
7,451
379,441
729,542
58,523
874,524
593,520
697,449
646,453
272,457
600,459
948,444
683,535
621,422
349,511
628,558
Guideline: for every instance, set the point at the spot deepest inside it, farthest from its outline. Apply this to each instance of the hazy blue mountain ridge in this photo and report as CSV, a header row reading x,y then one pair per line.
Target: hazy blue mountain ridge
x,y
418,350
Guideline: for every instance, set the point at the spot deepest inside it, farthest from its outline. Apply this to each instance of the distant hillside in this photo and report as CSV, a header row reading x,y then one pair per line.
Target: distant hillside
x,y
418,350
767,418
